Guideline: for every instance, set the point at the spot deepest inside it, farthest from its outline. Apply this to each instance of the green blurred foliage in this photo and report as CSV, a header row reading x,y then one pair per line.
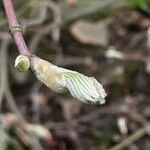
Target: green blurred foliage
x,y
143,5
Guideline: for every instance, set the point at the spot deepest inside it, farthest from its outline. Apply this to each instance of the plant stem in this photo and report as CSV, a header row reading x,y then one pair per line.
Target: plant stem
x,y
15,28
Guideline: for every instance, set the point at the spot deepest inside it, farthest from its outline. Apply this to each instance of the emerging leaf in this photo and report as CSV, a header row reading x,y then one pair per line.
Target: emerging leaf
x,y
85,89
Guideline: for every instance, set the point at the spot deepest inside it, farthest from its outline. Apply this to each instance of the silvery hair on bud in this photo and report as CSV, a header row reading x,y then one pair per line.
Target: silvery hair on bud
x,y
85,89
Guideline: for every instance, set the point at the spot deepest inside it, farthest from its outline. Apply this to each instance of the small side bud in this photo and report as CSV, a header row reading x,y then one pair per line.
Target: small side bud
x,y
22,63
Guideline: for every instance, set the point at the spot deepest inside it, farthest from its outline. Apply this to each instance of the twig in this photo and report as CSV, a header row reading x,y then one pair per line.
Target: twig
x,y
16,32
15,28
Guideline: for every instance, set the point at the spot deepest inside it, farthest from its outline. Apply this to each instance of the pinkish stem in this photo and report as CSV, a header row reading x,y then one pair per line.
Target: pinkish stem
x,y
15,28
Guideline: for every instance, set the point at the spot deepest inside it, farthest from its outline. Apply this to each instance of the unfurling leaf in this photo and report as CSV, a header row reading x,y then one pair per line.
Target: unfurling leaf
x,y
85,89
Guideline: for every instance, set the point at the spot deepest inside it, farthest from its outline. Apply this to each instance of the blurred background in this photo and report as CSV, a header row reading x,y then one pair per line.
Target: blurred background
x,y
107,39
